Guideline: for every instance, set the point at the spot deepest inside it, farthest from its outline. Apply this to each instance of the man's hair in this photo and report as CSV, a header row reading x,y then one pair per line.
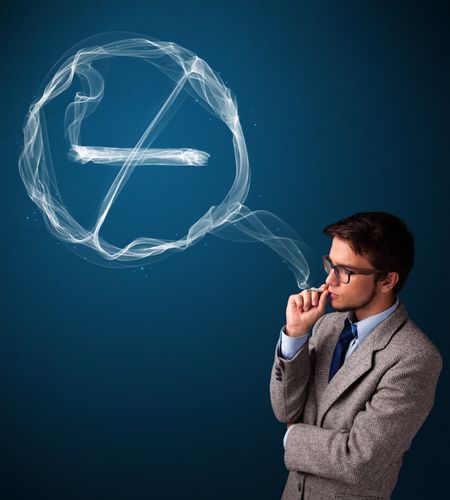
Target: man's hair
x,y
383,238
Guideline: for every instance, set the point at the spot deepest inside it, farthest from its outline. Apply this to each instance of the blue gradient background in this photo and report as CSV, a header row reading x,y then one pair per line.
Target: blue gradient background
x,y
137,384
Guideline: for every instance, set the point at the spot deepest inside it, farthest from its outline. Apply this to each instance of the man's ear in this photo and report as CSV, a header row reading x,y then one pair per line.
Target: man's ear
x,y
389,281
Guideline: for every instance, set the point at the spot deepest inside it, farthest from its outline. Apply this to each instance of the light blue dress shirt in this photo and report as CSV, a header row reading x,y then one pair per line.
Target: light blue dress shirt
x,y
289,346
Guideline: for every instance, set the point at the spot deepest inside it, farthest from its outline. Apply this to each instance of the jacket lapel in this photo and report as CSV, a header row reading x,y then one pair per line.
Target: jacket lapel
x,y
357,364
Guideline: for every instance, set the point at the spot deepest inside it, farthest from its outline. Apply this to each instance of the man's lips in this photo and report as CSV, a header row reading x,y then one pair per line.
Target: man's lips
x,y
333,295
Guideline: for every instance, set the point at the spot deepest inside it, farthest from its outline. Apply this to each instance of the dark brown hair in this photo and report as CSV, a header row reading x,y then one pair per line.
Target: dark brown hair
x,y
383,238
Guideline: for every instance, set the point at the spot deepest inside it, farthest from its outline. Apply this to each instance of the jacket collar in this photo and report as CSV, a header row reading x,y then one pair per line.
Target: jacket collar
x,y
366,326
358,363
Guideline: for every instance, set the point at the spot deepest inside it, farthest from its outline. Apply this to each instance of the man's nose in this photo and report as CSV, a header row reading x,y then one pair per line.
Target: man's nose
x,y
331,278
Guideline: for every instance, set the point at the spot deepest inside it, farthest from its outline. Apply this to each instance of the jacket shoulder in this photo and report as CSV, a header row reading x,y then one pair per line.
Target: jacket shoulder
x,y
410,338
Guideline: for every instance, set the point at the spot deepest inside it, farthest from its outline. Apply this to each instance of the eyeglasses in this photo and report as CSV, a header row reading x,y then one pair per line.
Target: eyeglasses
x,y
343,274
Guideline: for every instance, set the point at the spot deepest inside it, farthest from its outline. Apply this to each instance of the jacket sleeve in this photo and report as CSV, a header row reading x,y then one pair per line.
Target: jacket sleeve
x,y
381,433
289,381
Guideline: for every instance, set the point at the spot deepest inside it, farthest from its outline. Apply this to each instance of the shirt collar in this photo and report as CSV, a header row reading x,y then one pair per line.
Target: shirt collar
x,y
367,325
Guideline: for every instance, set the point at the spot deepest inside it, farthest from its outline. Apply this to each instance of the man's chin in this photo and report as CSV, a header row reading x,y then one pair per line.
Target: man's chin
x,y
341,309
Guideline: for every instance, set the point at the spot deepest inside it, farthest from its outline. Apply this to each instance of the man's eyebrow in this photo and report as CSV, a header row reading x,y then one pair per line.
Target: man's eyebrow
x,y
343,265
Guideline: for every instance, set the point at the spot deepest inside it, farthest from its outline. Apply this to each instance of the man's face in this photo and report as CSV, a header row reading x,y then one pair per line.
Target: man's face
x,y
361,291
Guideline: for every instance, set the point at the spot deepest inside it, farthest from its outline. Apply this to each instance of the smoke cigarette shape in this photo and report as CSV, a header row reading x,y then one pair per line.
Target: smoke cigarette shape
x,y
231,219
151,156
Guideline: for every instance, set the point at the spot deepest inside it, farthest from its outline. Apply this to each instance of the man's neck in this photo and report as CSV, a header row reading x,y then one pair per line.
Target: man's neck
x,y
374,308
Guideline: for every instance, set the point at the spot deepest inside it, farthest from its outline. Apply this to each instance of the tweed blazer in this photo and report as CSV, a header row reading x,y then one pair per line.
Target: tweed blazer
x,y
349,435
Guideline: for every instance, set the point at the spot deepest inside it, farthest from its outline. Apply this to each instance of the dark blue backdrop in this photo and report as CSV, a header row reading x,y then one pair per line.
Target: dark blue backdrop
x,y
153,383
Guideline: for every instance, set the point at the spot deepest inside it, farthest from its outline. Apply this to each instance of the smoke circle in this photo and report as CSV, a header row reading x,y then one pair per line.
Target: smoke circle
x,y
230,219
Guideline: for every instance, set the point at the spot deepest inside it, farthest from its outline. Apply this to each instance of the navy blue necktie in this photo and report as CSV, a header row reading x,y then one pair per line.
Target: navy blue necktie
x,y
347,335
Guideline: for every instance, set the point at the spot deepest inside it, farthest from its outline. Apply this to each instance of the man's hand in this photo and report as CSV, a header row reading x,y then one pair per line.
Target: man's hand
x,y
304,309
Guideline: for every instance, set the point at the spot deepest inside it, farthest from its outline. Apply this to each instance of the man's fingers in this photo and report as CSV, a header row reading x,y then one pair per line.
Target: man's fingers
x,y
311,297
296,301
306,294
314,298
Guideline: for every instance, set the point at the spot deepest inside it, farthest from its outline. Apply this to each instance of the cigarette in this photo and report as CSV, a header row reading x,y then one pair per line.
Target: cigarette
x,y
316,289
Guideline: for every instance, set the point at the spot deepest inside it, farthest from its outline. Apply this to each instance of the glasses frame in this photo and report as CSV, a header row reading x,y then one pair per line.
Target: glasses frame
x,y
349,272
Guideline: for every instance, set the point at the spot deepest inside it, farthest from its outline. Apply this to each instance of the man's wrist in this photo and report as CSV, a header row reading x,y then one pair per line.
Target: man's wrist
x,y
289,346
291,333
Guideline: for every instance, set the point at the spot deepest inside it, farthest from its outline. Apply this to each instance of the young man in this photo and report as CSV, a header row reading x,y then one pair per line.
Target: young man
x,y
356,390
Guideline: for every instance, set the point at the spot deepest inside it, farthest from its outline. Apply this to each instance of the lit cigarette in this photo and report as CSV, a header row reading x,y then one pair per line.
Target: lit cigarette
x,y
316,289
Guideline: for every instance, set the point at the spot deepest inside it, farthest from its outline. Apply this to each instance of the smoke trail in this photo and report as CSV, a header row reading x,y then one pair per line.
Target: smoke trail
x,y
231,219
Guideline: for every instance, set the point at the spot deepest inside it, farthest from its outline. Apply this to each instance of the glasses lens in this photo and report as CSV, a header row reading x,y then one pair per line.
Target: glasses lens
x,y
342,276
328,268
339,273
